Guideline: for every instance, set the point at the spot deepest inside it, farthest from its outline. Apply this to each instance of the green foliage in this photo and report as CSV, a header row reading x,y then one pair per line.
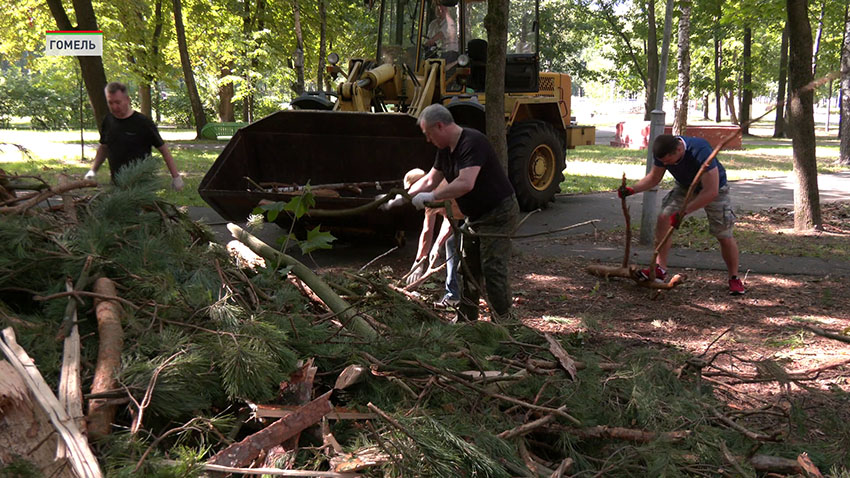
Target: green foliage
x,y
19,467
49,96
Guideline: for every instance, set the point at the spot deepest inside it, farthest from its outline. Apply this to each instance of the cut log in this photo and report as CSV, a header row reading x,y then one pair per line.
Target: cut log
x,y
359,460
111,343
563,357
82,459
25,430
246,451
348,377
600,270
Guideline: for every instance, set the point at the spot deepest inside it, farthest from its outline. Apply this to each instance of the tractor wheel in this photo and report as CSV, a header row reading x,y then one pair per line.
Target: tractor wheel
x,y
535,163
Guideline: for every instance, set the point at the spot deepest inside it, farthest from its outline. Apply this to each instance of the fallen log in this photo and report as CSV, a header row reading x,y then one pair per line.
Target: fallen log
x,y
110,345
320,287
244,452
619,433
82,459
630,272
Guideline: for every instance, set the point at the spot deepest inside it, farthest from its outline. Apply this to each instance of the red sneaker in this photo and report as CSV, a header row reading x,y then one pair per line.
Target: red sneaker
x,y
660,273
736,287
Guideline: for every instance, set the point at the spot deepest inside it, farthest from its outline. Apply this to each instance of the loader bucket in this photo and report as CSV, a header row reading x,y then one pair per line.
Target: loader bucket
x,y
321,147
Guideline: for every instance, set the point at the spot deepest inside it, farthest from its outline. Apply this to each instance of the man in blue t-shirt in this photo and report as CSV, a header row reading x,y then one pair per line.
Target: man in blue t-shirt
x,y
682,157
475,178
127,135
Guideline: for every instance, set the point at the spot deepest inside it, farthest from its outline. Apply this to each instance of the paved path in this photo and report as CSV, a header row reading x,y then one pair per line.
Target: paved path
x,y
571,209
751,195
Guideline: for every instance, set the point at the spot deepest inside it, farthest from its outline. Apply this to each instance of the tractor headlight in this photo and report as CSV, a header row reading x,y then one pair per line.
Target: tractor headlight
x,y
463,60
333,58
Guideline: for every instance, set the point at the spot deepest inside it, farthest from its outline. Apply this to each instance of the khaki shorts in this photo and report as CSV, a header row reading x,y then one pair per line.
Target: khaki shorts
x,y
721,217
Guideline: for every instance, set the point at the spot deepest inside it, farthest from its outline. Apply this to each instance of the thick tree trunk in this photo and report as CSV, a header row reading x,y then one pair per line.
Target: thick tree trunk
x,y
298,55
496,23
145,105
323,24
680,106
844,95
651,60
705,105
188,74
747,87
225,98
806,197
93,74
779,122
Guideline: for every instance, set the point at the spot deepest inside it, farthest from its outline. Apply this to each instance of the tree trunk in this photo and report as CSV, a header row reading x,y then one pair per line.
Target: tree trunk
x,y
806,198
730,106
188,74
496,23
323,48
680,106
93,74
705,104
844,95
145,105
225,98
717,63
779,122
747,87
651,60
298,55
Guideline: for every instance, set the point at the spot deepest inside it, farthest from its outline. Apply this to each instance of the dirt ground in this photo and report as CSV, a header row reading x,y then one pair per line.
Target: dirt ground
x,y
743,335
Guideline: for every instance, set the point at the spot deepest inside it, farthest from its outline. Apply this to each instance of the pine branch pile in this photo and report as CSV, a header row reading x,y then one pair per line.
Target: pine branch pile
x,y
217,358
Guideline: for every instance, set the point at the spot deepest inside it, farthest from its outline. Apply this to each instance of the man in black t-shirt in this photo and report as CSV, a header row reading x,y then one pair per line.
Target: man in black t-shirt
x,y
127,135
475,178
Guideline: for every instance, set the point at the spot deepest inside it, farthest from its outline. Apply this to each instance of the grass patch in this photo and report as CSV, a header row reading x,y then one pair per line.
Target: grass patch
x,y
770,232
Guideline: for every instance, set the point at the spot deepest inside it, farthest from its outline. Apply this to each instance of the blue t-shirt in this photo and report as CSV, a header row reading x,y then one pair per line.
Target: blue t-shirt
x,y
697,150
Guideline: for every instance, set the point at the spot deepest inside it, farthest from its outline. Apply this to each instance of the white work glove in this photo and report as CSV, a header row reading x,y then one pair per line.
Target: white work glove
x,y
177,183
398,200
417,271
91,174
420,199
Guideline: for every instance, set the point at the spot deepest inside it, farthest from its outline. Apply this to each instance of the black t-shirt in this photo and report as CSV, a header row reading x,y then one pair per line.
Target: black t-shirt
x,y
128,139
491,186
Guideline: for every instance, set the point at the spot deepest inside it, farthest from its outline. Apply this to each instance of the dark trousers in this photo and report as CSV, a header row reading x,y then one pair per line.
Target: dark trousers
x,y
485,259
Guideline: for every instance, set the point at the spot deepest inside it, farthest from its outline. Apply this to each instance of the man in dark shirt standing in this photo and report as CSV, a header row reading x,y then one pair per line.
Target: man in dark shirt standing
x,y
127,135
683,157
475,178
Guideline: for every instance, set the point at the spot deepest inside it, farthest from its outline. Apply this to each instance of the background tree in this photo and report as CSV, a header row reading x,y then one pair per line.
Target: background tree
x,y
91,67
844,155
680,105
806,197
496,23
779,122
747,86
188,74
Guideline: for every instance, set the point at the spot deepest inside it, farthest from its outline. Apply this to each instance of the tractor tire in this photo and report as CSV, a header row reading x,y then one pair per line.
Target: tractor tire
x,y
535,163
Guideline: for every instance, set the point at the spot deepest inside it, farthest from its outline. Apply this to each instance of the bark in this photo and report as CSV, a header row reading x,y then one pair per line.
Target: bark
x,y
747,87
806,197
110,345
145,106
496,23
779,122
188,74
844,96
705,107
323,47
93,74
298,55
651,60
225,98
680,106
